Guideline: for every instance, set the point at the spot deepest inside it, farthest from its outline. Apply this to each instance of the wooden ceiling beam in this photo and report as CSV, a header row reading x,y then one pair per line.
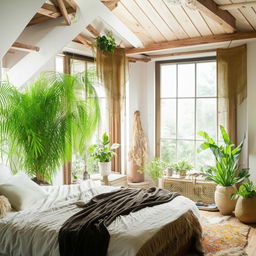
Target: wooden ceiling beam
x,y
237,5
49,10
223,17
193,41
92,30
133,59
71,3
25,47
64,11
111,4
82,39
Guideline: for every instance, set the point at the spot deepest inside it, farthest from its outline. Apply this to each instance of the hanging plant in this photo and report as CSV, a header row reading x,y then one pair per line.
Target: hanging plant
x,y
106,43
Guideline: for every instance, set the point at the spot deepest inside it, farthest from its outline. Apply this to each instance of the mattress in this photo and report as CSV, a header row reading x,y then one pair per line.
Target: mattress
x,y
34,232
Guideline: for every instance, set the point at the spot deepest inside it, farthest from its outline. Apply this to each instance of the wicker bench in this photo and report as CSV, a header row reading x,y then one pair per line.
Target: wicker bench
x,y
196,190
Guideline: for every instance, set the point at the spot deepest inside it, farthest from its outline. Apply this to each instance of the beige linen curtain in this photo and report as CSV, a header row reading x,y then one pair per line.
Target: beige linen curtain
x,y
112,70
232,85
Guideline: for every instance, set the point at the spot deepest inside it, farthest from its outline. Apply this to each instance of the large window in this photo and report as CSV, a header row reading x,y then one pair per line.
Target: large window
x,y
186,98
74,65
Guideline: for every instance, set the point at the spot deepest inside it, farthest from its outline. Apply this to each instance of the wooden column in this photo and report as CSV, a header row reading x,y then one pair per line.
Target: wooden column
x,y
67,167
115,136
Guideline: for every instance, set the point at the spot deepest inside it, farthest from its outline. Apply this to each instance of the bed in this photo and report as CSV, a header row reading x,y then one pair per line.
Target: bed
x,y
34,231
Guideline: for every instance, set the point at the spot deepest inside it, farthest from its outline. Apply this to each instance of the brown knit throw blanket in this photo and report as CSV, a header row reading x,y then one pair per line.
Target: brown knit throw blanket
x,y
86,232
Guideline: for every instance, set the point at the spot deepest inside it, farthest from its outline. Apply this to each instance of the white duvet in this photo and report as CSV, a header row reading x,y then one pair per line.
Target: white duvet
x,y
34,232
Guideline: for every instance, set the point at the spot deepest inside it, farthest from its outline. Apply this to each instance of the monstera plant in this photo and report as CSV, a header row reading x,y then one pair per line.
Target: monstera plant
x,y
41,127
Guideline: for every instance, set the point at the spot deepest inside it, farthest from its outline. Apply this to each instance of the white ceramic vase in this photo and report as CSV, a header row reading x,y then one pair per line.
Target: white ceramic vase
x,y
104,168
223,199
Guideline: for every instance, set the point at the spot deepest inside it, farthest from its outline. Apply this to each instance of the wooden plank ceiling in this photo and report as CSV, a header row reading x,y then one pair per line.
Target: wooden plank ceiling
x,y
161,22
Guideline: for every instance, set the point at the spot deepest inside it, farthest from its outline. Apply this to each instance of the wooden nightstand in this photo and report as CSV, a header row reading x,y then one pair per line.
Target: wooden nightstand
x,y
114,179
196,190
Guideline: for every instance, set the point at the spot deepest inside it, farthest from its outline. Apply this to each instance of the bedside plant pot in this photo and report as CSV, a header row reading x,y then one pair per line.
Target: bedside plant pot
x,y
182,173
133,174
245,210
223,199
104,168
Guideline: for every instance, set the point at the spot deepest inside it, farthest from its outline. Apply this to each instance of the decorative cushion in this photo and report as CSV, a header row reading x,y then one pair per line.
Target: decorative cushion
x,y
22,192
5,173
5,206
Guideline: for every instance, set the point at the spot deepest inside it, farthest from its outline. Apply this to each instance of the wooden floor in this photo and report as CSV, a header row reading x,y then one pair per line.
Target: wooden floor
x,y
251,246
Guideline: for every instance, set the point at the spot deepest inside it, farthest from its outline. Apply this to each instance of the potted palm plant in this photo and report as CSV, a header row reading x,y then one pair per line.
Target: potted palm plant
x,y
43,126
225,173
103,153
245,209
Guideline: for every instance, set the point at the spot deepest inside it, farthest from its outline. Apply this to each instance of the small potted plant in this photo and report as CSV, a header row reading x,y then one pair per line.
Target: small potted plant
x,y
103,153
182,167
155,168
245,209
225,173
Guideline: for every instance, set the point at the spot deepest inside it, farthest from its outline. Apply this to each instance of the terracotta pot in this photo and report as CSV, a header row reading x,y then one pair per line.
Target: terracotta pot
x,y
104,168
223,199
183,173
133,174
245,209
168,171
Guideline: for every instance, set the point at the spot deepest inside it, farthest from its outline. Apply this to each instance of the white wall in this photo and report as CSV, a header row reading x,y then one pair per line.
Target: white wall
x,y
141,96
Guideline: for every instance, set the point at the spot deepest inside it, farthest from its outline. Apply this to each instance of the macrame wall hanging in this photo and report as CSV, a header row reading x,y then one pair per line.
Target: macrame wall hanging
x,y
138,151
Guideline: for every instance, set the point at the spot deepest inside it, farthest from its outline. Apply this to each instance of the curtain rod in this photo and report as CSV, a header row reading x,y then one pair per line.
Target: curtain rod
x,y
180,53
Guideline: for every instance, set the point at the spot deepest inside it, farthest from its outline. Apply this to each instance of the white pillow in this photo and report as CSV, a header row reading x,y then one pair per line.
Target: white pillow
x,y
5,173
22,192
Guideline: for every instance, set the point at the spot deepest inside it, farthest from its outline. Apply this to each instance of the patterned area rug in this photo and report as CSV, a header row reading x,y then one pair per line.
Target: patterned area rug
x,y
225,239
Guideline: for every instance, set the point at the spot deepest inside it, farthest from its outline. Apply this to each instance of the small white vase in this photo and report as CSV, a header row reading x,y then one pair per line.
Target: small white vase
x,y
104,168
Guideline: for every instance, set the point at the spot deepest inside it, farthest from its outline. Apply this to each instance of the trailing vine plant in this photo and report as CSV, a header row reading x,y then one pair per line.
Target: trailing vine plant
x,y
106,43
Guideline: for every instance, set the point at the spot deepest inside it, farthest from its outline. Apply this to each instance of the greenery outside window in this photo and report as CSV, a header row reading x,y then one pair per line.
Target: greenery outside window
x,y
186,103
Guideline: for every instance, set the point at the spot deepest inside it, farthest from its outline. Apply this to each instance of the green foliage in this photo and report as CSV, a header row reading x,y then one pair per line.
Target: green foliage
x,y
155,168
102,152
106,43
182,165
53,118
246,190
226,171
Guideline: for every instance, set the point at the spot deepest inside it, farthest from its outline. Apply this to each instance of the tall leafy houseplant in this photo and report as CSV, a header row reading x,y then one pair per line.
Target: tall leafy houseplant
x,y
226,171
42,126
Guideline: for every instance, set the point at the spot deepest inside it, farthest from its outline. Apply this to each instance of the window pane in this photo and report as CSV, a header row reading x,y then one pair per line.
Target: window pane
x,y
206,79
186,150
206,119
168,150
186,118
168,81
77,66
203,158
168,118
186,80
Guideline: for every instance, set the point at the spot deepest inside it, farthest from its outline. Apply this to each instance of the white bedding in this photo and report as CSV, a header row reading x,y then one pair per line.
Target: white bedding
x,y
34,232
